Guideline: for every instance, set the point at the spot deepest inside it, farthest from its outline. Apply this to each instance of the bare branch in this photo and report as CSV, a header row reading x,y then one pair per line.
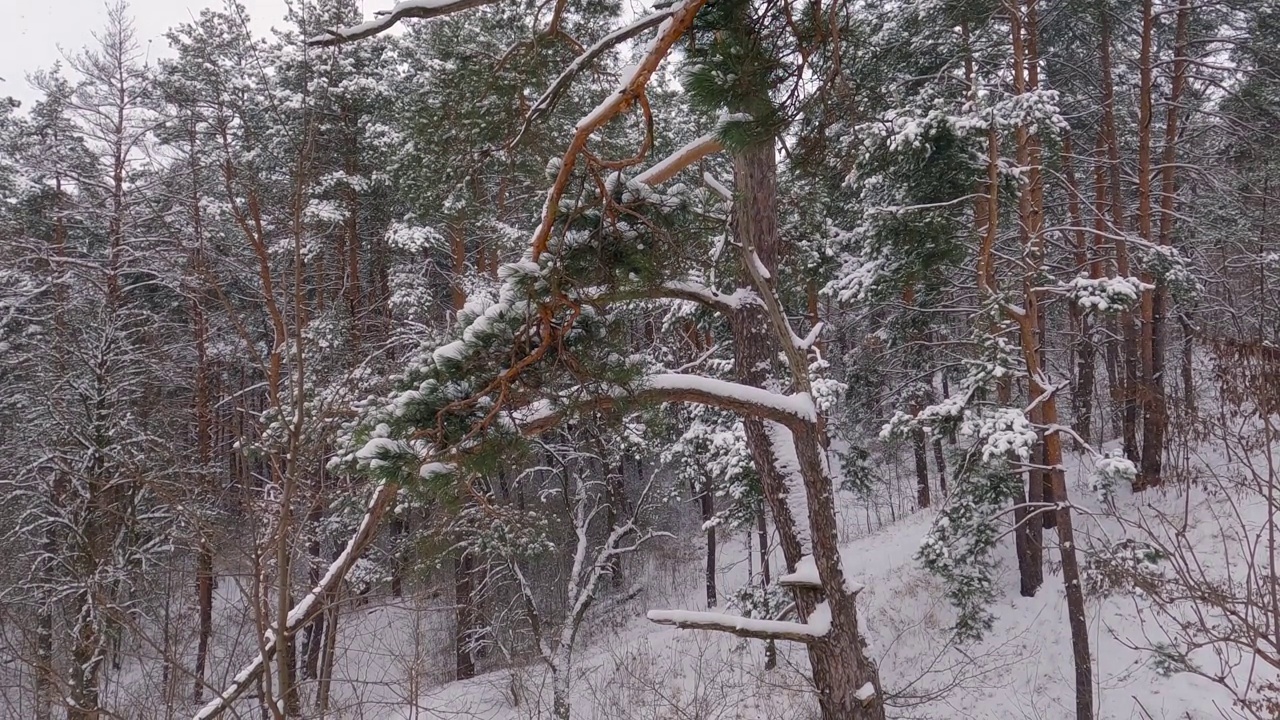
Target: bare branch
x,y
549,98
385,20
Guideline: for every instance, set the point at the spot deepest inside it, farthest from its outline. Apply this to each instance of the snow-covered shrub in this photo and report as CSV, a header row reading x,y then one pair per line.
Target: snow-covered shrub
x,y
959,546
1128,566
1111,471
1106,295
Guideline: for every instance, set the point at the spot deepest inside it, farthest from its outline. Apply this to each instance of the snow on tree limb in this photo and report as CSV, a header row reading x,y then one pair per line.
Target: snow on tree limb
x,y
665,169
787,464
686,290
670,387
716,186
630,89
385,20
785,410
306,608
697,292
818,626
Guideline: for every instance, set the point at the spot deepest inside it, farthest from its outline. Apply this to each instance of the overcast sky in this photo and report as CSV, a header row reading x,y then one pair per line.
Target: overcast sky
x,y
38,32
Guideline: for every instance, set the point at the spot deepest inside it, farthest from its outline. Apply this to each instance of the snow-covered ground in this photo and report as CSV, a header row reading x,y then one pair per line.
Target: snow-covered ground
x,y
395,655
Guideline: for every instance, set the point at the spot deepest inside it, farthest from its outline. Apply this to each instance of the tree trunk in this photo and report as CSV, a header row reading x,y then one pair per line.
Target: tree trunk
x,y
1047,492
617,501
1188,375
1155,416
919,452
44,656
762,531
1076,618
1125,387
204,600
328,658
840,668
1082,389
464,601
397,530
1146,103
1044,413
940,462
706,502
86,659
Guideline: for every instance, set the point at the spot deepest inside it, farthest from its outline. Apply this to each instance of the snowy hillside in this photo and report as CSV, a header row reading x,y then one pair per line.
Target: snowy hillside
x,y
632,669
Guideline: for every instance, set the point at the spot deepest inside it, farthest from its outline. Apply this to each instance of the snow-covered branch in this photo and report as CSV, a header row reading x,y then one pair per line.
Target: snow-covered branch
x,y
786,410
817,627
629,90
306,608
687,290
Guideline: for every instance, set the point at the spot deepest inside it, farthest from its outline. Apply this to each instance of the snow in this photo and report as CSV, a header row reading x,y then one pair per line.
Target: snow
x,y
760,269
1106,294
865,693
800,405
377,446
788,465
432,469
455,351
806,575
1022,669
820,619
718,187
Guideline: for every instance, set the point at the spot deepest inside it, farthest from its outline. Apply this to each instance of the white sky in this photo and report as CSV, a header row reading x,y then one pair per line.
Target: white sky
x,y
36,33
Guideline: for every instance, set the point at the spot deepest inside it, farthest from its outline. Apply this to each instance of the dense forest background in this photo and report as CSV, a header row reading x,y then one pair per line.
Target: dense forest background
x,y
344,364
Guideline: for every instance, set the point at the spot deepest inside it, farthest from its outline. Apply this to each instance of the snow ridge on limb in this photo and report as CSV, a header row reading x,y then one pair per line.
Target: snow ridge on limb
x,y
697,292
665,169
783,444
629,90
306,608
384,20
